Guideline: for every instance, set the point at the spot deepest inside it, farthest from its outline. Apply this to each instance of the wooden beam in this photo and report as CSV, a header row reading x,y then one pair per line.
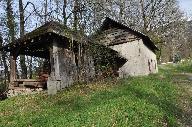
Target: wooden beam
x,y
12,68
41,54
28,80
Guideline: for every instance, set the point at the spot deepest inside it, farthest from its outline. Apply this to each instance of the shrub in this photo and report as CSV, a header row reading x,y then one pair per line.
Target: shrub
x,y
3,89
176,58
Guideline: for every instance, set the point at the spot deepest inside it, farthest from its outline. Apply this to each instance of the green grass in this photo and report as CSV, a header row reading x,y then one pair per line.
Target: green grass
x,y
158,100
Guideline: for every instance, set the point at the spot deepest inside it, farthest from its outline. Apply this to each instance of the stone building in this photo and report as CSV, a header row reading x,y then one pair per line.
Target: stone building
x,y
67,54
135,47
70,56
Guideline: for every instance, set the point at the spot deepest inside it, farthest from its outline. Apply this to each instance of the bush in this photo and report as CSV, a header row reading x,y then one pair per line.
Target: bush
x,y
177,58
3,89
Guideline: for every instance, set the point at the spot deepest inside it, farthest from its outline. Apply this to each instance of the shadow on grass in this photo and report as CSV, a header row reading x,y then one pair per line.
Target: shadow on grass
x,y
168,106
78,103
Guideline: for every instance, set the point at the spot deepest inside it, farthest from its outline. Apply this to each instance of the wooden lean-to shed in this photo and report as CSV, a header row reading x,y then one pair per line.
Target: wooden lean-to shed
x,y
134,46
65,50
69,56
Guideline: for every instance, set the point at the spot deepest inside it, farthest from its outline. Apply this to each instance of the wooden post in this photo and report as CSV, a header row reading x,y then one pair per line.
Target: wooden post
x,y
12,68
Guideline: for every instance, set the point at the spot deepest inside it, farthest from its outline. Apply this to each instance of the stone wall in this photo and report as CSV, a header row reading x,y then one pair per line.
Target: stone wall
x,y
87,68
140,59
23,91
68,66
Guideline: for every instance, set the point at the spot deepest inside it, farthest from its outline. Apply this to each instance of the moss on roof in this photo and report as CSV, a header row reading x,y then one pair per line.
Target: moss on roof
x,y
49,27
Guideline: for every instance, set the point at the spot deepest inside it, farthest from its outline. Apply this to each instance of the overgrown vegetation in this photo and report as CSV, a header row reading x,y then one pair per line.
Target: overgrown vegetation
x,y
3,88
163,99
163,21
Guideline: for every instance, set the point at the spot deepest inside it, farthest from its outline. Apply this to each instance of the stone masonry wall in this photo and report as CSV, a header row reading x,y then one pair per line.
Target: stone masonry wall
x,y
66,69
141,60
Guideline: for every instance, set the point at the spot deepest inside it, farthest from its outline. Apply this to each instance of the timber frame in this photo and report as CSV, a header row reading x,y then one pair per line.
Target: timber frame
x,y
72,57
38,43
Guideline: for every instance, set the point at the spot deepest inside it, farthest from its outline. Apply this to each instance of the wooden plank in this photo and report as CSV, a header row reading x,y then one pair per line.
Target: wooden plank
x,y
34,84
28,80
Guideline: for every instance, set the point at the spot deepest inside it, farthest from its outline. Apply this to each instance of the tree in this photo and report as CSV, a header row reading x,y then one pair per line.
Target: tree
x,y
4,60
10,21
11,35
75,14
64,12
45,7
22,32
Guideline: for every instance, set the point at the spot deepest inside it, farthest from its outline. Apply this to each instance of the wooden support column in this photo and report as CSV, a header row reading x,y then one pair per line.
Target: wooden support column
x,y
12,68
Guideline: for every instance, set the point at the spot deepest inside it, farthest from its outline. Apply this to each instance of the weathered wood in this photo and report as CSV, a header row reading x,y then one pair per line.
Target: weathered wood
x,y
27,80
12,69
34,84
116,36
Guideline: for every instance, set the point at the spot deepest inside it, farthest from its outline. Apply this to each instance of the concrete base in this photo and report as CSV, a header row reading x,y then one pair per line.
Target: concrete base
x,y
52,87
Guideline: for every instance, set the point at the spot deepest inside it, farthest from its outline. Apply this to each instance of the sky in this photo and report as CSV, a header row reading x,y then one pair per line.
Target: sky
x,y
186,6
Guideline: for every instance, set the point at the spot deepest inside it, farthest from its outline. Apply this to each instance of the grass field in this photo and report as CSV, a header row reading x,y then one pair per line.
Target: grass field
x,y
163,99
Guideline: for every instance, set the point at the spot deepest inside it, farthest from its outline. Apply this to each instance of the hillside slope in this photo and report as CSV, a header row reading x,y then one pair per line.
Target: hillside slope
x,y
163,99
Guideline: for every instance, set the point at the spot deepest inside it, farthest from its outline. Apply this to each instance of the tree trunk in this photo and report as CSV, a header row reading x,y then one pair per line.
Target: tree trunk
x,y
22,32
75,9
6,72
64,12
143,16
11,27
121,10
45,11
10,21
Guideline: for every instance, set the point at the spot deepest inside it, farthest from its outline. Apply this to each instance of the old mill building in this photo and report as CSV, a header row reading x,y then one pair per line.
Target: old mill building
x,y
71,56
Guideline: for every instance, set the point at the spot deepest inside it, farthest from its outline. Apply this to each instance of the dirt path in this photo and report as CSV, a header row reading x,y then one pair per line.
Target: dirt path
x,y
184,82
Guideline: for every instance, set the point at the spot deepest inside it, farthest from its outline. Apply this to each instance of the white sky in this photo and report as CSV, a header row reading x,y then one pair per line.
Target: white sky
x,y
186,5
